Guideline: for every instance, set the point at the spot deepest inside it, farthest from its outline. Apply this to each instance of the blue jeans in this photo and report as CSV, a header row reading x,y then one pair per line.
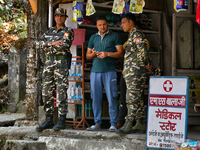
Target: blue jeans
x,y
108,80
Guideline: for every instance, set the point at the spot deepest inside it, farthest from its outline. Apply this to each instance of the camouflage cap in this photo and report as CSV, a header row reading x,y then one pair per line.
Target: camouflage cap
x,y
61,11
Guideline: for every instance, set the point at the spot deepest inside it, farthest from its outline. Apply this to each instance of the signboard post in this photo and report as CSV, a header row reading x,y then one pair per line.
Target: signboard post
x,y
167,111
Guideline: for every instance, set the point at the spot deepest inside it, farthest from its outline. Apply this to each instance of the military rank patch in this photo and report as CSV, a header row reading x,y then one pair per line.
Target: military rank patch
x,y
66,34
137,40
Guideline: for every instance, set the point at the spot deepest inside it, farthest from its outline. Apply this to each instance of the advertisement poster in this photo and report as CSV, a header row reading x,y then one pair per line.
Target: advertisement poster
x,y
167,111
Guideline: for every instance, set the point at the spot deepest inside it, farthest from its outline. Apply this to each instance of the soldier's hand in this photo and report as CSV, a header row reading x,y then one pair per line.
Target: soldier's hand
x,y
57,43
102,55
149,68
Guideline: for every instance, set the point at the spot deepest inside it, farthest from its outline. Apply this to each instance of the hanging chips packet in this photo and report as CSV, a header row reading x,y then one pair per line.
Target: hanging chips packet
x,y
77,8
90,10
180,5
118,6
136,6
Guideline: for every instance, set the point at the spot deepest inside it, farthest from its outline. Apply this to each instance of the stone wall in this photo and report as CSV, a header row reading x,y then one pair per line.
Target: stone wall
x,y
17,76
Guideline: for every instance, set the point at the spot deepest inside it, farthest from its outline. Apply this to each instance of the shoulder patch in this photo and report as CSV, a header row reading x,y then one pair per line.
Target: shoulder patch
x,y
137,40
66,34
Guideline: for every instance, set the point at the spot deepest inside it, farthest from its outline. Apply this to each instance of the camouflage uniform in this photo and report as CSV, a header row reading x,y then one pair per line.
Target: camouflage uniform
x,y
55,73
135,60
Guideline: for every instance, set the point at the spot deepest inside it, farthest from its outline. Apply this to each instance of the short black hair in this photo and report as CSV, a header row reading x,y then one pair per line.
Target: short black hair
x,y
130,16
101,18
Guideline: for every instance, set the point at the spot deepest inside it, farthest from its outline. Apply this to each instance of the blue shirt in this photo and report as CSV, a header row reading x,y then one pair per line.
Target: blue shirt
x,y
106,43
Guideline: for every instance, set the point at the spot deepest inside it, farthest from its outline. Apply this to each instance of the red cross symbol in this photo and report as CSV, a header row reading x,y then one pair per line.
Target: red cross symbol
x,y
167,85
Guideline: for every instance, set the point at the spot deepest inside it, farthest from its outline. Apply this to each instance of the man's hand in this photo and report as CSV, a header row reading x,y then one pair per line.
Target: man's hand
x,y
102,55
94,52
57,43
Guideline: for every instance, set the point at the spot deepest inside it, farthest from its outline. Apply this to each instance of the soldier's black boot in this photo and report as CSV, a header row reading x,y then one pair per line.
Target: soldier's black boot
x,y
139,127
61,123
48,124
126,128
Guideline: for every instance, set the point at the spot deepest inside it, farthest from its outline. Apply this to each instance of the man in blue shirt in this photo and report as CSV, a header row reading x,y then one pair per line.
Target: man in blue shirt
x,y
104,47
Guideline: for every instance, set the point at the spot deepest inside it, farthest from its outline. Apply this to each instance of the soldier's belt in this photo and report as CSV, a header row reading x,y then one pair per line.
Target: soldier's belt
x,y
56,57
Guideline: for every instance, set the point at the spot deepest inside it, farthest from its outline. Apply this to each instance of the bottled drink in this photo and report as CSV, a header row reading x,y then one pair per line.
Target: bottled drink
x,y
72,92
75,71
78,111
79,71
89,108
81,110
72,70
86,108
76,92
79,91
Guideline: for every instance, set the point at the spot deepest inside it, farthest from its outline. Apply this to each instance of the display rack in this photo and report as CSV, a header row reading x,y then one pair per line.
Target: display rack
x,y
154,35
79,40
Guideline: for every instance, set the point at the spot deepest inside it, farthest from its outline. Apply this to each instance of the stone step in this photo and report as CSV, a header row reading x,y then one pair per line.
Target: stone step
x,y
9,119
24,145
92,140
84,144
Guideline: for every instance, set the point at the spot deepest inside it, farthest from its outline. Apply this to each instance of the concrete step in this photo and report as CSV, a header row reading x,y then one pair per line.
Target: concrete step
x,y
24,145
9,119
79,139
92,140
84,144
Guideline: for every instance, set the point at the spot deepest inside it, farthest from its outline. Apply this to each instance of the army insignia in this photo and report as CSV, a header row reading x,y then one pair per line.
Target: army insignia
x,y
137,40
66,34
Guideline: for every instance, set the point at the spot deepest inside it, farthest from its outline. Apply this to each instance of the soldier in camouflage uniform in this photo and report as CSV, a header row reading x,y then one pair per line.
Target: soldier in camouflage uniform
x,y
56,42
136,60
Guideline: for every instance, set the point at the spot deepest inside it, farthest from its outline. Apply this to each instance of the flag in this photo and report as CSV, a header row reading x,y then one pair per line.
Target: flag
x,y
198,12
33,5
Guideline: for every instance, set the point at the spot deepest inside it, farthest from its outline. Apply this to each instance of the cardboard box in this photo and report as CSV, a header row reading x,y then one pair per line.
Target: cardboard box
x,y
154,4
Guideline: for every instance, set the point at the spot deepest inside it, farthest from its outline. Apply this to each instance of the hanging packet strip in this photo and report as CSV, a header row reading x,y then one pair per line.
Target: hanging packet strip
x,y
90,10
180,5
198,12
77,8
136,6
118,6
126,7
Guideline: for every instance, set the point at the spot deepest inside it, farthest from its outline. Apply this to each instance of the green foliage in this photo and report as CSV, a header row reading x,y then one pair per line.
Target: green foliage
x,y
13,14
3,109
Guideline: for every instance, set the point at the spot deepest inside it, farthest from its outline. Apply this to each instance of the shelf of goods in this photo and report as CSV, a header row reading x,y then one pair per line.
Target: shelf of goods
x,y
76,124
152,31
150,21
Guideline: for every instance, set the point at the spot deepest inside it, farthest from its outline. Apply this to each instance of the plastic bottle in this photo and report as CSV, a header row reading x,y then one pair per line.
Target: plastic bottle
x,y
73,70
72,92
86,108
80,95
81,110
76,71
89,108
75,92
79,71
78,110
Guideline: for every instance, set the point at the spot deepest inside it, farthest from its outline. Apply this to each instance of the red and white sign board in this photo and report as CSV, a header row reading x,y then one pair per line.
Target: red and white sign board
x,y
167,111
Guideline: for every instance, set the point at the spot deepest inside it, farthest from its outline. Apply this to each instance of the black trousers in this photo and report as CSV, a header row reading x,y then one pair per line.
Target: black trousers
x,y
123,107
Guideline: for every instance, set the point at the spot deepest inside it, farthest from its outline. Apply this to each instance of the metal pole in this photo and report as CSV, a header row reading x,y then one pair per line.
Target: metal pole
x,y
174,44
50,23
